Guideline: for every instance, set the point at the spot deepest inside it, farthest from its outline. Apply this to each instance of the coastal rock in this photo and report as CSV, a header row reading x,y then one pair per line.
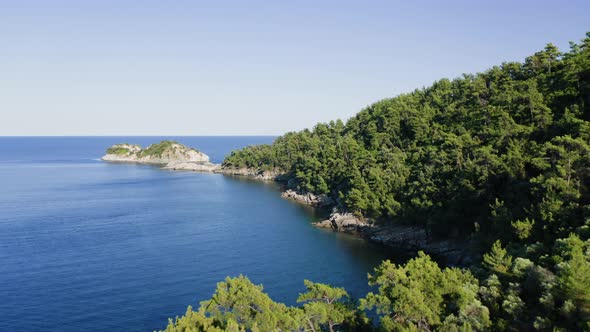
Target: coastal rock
x,y
410,238
345,222
401,237
190,166
122,152
309,198
251,173
172,155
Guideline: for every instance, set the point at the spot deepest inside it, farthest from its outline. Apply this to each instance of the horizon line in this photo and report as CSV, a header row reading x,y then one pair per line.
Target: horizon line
x,y
123,135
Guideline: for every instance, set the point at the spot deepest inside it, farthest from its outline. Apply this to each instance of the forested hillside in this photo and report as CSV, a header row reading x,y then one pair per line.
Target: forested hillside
x,y
474,153
501,156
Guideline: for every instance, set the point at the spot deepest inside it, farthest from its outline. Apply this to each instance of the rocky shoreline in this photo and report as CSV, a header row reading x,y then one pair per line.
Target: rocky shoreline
x,y
192,166
407,238
251,173
401,237
176,156
308,199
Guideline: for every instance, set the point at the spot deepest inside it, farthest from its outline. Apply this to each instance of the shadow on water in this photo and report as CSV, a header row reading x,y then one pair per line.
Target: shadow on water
x,y
363,250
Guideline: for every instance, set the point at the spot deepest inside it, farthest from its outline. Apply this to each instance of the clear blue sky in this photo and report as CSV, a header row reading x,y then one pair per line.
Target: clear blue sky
x,y
247,67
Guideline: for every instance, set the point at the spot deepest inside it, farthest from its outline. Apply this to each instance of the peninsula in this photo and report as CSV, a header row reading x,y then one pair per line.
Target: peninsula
x,y
170,154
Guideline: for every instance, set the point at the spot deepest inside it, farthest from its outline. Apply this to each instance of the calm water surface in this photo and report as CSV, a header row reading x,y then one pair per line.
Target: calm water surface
x,y
88,245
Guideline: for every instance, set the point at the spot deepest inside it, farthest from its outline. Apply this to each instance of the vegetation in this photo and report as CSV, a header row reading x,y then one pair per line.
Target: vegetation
x,y
239,305
155,150
480,153
117,150
418,296
502,157
158,149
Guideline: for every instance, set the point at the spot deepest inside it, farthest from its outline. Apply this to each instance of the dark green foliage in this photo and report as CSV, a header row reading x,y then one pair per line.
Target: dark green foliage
x,y
415,296
192,322
502,157
238,300
498,260
327,306
421,296
551,292
441,156
257,156
239,305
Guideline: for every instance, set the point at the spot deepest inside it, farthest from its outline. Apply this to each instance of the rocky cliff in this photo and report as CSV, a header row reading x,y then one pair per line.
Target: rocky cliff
x,y
308,198
170,154
407,238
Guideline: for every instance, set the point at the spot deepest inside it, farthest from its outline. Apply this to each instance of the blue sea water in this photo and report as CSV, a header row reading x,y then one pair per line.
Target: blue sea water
x,y
92,246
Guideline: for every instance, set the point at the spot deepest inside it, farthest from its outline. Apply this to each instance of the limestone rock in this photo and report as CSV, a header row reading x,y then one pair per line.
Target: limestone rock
x,y
345,222
172,155
402,237
309,198
191,166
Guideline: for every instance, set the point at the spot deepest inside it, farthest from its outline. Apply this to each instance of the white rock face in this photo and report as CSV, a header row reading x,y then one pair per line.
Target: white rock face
x,y
172,155
309,198
191,166
344,222
132,150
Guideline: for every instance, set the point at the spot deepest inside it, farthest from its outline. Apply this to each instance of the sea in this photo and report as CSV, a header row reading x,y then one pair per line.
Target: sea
x,y
87,245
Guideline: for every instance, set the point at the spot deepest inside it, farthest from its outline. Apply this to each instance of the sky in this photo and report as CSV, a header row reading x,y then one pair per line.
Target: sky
x,y
247,67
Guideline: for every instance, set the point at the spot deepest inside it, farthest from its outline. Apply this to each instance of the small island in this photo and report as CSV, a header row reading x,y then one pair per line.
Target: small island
x,y
170,154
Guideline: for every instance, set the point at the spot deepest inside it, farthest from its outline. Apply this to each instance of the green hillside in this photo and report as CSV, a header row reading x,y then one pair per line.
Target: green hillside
x,y
502,157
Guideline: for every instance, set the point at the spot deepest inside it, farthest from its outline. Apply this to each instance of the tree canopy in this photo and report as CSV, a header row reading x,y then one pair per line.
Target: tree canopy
x,y
502,157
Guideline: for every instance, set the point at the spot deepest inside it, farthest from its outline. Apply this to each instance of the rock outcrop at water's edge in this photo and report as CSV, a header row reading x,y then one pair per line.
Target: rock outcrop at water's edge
x,y
345,222
276,175
191,166
407,238
172,155
251,173
175,156
402,237
309,198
